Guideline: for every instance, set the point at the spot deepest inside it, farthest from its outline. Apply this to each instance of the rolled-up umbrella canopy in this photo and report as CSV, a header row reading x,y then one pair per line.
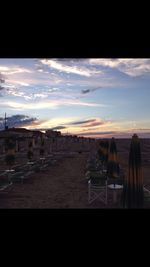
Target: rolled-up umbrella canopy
x,y
42,147
103,151
100,150
10,156
113,165
133,195
30,151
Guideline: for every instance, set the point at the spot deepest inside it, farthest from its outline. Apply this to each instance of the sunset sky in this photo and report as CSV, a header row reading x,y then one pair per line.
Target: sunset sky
x,y
92,97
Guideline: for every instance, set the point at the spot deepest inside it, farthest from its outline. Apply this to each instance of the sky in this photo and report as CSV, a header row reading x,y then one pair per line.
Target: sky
x,y
91,97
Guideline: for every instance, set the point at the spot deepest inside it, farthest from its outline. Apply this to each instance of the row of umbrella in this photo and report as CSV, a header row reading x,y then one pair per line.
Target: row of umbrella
x,y
108,156
30,149
133,194
10,155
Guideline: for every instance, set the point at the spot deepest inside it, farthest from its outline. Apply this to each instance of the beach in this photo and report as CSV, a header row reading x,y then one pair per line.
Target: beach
x,y
63,185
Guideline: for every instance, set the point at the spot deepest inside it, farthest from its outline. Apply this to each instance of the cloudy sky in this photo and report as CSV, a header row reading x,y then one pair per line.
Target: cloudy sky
x,y
90,97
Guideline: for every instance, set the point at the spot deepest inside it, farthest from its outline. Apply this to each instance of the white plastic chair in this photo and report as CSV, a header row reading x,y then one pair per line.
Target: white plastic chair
x,y
98,191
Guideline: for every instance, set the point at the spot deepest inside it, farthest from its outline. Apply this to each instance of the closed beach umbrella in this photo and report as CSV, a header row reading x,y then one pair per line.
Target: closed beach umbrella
x,y
30,151
10,156
42,148
106,149
113,165
103,151
133,196
100,150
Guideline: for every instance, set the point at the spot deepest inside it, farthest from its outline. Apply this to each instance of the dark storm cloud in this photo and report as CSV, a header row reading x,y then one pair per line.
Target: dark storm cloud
x,y
81,122
1,88
2,80
97,133
141,129
95,123
59,127
86,91
17,121
71,59
88,123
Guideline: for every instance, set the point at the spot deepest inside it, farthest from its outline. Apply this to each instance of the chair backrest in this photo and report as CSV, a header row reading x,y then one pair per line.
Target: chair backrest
x,y
99,181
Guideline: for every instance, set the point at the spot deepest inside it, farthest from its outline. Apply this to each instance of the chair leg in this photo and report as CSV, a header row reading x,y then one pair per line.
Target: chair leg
x,y
106,193
92,196
106,196
101,195
89,193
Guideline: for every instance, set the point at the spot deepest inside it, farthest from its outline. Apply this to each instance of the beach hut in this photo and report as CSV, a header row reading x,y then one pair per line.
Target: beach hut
x,y
133,195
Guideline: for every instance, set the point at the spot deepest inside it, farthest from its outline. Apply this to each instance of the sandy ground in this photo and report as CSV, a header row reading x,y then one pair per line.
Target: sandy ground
x,y
64,185
61,186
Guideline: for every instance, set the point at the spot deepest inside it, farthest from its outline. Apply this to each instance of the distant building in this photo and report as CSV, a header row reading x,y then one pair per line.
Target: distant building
x,y
51,133
20,133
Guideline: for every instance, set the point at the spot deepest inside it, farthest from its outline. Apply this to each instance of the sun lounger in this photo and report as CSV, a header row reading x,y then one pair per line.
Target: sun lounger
x,y
2,174
5,186
26,175
4,183
50,161
44,167
21,176
17,177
